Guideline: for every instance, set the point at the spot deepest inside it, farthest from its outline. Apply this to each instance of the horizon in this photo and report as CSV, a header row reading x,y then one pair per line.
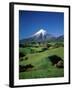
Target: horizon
x,y
31,22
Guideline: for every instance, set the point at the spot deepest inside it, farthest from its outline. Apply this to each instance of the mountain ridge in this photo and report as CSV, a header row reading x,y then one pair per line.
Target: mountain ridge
x,y
41,36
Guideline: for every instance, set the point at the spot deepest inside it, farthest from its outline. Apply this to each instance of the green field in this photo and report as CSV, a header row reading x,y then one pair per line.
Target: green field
x,y
42,66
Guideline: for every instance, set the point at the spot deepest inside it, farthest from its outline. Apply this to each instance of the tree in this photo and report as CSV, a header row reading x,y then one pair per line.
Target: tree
x,y
21,54
48,45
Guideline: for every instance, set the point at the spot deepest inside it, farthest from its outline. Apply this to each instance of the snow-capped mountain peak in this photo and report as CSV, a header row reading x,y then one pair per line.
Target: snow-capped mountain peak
x,y
41,31
40,36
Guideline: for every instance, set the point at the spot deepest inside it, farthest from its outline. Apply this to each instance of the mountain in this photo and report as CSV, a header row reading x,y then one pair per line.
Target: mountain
x,y
41,36
60,38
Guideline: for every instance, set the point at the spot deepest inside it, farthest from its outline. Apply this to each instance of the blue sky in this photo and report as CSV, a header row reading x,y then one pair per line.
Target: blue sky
x,y
32,21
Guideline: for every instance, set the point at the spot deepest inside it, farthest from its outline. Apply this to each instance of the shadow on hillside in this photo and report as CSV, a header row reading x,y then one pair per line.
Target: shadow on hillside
x,y
56,61
27,67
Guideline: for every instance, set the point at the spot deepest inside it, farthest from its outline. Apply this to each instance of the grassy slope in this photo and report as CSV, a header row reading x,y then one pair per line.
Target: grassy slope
x,y
42,66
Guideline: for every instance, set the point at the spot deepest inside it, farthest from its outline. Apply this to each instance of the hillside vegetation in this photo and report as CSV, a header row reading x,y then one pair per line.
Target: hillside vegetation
x,y
34,61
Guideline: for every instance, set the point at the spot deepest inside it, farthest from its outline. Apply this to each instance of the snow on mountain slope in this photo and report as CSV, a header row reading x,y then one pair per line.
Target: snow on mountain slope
x,y
41,31
40,36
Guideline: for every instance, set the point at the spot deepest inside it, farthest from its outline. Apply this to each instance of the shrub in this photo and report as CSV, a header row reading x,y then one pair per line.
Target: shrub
x,y
60,64
21,45
55,59
25,58
21,59
33,51
48,45
44,49
23,68
21,54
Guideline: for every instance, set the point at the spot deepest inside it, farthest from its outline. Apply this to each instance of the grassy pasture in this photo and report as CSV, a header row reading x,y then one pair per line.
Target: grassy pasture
x,y
43,68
